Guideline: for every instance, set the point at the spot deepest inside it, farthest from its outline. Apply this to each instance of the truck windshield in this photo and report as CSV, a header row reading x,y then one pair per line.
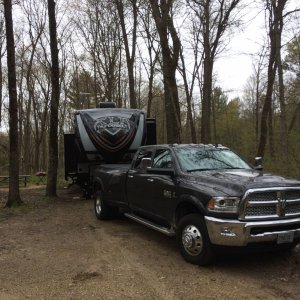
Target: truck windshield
x,y
195,159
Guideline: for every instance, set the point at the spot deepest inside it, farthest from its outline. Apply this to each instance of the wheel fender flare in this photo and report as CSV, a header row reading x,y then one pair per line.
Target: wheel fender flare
x,y
190,200
195,201
98,184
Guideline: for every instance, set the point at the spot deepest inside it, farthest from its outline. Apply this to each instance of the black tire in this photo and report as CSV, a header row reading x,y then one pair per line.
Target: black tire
x,y
193,240
286,248
103,211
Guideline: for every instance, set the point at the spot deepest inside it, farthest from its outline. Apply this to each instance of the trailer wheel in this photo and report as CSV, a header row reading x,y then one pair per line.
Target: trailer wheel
x,y
193,240
103,211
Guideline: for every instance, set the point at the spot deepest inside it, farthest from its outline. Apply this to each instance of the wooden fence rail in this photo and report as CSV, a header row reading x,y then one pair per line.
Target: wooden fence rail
x,y
22,178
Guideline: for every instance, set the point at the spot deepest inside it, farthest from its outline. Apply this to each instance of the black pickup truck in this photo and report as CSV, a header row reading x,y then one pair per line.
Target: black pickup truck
x,y
206,195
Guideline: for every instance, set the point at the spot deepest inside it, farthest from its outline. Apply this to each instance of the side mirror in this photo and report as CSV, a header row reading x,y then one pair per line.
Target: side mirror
x,y
258,164
146,163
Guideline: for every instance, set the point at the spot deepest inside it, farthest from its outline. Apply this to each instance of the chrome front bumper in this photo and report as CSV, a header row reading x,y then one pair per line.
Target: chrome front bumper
x,y
238,233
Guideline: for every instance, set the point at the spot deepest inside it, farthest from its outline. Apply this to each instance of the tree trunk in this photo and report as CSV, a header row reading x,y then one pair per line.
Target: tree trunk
x,y
53,138
275,9
14,198
257,111
164,23
283,123
294,118
150,92
271,135
206,101
272,67
130,58
207,78
1,81
188,101
214,119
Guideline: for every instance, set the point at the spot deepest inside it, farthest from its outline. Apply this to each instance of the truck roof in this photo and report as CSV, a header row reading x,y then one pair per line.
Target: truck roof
x,y
204,146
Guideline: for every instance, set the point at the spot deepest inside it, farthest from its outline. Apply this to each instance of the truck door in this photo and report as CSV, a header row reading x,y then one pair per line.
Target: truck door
x,y
162,191
151,193
137,184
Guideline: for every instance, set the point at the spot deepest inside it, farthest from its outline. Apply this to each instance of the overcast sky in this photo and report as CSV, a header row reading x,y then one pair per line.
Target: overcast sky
x,y
234,66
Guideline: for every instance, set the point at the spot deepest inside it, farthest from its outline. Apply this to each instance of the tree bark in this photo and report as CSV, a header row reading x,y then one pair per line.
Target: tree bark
x,y
53,136
206,100
190,118
130,58
161,11
1,81
271,135
294,118
2,37
275,28
14,198
153,52
283,123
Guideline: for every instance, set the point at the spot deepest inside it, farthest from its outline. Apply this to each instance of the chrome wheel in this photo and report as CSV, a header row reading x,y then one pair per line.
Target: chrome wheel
x,y
98,205
192,240
103,211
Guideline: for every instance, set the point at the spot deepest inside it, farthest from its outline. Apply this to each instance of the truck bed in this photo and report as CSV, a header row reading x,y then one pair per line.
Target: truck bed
x,y
115,167
112,180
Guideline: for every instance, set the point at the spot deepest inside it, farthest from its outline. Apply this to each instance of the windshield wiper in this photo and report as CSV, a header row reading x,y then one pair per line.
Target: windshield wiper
x,y
197,170
234,168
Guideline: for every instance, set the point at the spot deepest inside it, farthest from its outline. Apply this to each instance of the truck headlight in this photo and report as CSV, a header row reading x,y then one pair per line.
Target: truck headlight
x,y
224,204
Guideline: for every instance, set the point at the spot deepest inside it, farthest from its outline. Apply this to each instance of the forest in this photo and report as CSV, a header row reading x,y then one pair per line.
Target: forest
x,y
159,56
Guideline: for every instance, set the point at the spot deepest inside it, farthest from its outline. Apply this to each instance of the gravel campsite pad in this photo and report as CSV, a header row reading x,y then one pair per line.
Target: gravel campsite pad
x,y
57,249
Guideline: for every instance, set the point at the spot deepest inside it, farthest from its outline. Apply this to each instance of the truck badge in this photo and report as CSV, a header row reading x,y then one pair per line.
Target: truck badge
x,y
168,194
281,204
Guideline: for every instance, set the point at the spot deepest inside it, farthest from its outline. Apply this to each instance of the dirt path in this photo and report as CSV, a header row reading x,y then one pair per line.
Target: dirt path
x,y
58,250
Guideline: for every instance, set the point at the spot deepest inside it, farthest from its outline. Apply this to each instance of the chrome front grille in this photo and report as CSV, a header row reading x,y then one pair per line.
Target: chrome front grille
x,y
253,211
270,203
267,196
292,208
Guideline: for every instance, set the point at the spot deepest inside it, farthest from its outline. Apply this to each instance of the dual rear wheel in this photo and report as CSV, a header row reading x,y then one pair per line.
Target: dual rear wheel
x,y
103,211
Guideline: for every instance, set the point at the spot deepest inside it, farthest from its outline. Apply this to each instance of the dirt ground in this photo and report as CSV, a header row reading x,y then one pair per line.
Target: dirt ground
x,y
59,250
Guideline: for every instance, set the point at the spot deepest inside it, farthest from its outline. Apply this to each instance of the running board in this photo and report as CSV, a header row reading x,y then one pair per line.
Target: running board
x,y
161,229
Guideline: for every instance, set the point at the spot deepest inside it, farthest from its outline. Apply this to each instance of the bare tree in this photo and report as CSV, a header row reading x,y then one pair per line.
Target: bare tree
x,y
197,56
292,64
255,89
275,10
170,48
40,105
53,134
2,53
36,17
215,18
150,37
98,25
130,55
14,198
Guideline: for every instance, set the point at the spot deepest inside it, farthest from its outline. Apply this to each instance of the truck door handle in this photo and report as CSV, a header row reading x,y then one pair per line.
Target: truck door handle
x,y
130,176
150,179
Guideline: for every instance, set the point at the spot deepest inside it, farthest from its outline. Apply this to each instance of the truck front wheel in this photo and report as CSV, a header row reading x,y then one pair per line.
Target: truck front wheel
x,y
103,211
193,241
